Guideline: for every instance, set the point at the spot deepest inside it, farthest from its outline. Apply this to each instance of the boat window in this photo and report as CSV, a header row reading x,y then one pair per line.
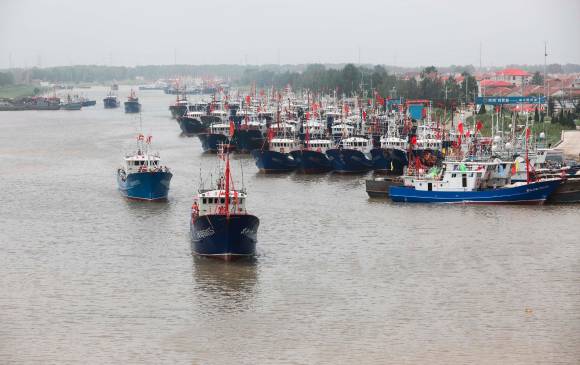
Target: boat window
x,y
223,200
453,175
204,200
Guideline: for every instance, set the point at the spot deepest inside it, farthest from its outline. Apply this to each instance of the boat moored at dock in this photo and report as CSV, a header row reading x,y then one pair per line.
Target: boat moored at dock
x,y
472,183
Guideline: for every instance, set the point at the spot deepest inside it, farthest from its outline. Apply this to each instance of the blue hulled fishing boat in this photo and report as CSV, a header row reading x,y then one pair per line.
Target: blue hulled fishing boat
x,y
142,176
220,225
190,122
277,158
352,155
180,107
132,104
111,101
249,134
391,156
312,157
472,183
218,136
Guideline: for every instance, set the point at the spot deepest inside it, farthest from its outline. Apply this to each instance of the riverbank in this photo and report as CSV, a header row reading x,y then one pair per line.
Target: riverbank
x,y
19,91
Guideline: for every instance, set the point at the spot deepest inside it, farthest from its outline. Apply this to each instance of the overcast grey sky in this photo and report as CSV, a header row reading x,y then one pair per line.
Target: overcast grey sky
x,y
402,32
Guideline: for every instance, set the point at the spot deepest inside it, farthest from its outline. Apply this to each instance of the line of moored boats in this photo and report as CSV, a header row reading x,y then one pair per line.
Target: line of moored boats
x,y
422,160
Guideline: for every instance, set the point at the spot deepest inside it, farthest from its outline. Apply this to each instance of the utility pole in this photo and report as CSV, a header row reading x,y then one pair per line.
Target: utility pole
x,y
546,86
479,56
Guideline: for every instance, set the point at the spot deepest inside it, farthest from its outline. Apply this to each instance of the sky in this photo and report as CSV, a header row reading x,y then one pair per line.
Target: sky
x,y
401,33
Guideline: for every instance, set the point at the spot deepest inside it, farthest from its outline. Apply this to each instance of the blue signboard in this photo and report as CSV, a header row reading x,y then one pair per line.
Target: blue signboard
x,y
499,100
416,111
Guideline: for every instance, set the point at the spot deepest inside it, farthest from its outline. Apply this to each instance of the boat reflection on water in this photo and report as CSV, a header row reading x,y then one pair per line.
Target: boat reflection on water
x,y
225,286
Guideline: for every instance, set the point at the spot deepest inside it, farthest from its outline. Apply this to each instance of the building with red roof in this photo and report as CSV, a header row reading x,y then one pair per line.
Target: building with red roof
x,y
514,76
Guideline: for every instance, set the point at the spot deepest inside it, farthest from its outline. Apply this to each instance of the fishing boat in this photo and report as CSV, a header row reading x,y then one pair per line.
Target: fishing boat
x,y
180,107
220,225
567,192
312,157
277,158
88,102
391,156
352,155
132,104
218,136
142,176
471,183
71,104
190,122
110,101
249,134
379,186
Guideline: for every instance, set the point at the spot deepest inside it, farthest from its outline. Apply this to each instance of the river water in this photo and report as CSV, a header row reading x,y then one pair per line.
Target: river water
x,y
89,277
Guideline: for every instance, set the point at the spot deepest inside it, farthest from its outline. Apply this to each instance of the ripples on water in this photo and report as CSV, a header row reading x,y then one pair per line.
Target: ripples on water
x,y
88,277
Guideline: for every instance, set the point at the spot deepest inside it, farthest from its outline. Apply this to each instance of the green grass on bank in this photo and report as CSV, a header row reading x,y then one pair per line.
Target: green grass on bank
x,y
18,91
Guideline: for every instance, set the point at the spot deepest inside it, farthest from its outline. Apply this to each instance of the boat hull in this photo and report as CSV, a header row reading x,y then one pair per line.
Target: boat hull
x,y
379,188
534,193
110,103
568,192
310,161
132,107
145,185
389,160
273,161
190,125
224,237
247,140
349,161
72,106
211,142
177,110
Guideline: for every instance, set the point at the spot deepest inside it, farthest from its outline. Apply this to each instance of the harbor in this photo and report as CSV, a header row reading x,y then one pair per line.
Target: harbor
x,y
336,273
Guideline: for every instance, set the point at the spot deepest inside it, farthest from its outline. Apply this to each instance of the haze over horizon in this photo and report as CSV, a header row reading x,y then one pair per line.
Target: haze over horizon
x,y
403,33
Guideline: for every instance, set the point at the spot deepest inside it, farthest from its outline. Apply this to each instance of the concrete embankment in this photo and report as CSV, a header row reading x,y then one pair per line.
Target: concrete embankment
x,y
570,144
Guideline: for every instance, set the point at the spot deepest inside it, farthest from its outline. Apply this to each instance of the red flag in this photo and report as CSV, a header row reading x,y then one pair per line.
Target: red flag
x,y
364,115
307,115
478,125
232,128
414,140
460,127
248,99
270,134
528,133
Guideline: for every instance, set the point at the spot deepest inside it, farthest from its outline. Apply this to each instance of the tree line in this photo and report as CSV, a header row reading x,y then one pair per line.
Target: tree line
x,y
354,80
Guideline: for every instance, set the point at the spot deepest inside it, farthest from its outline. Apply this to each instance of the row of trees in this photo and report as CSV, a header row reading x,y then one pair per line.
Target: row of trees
x,y
351,80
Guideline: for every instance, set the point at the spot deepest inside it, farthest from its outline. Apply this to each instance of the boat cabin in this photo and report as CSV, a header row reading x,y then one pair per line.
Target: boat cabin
x,y
214,202
320,145
460,176
142,162
357,143
394,143
284,145
342,130
220,128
